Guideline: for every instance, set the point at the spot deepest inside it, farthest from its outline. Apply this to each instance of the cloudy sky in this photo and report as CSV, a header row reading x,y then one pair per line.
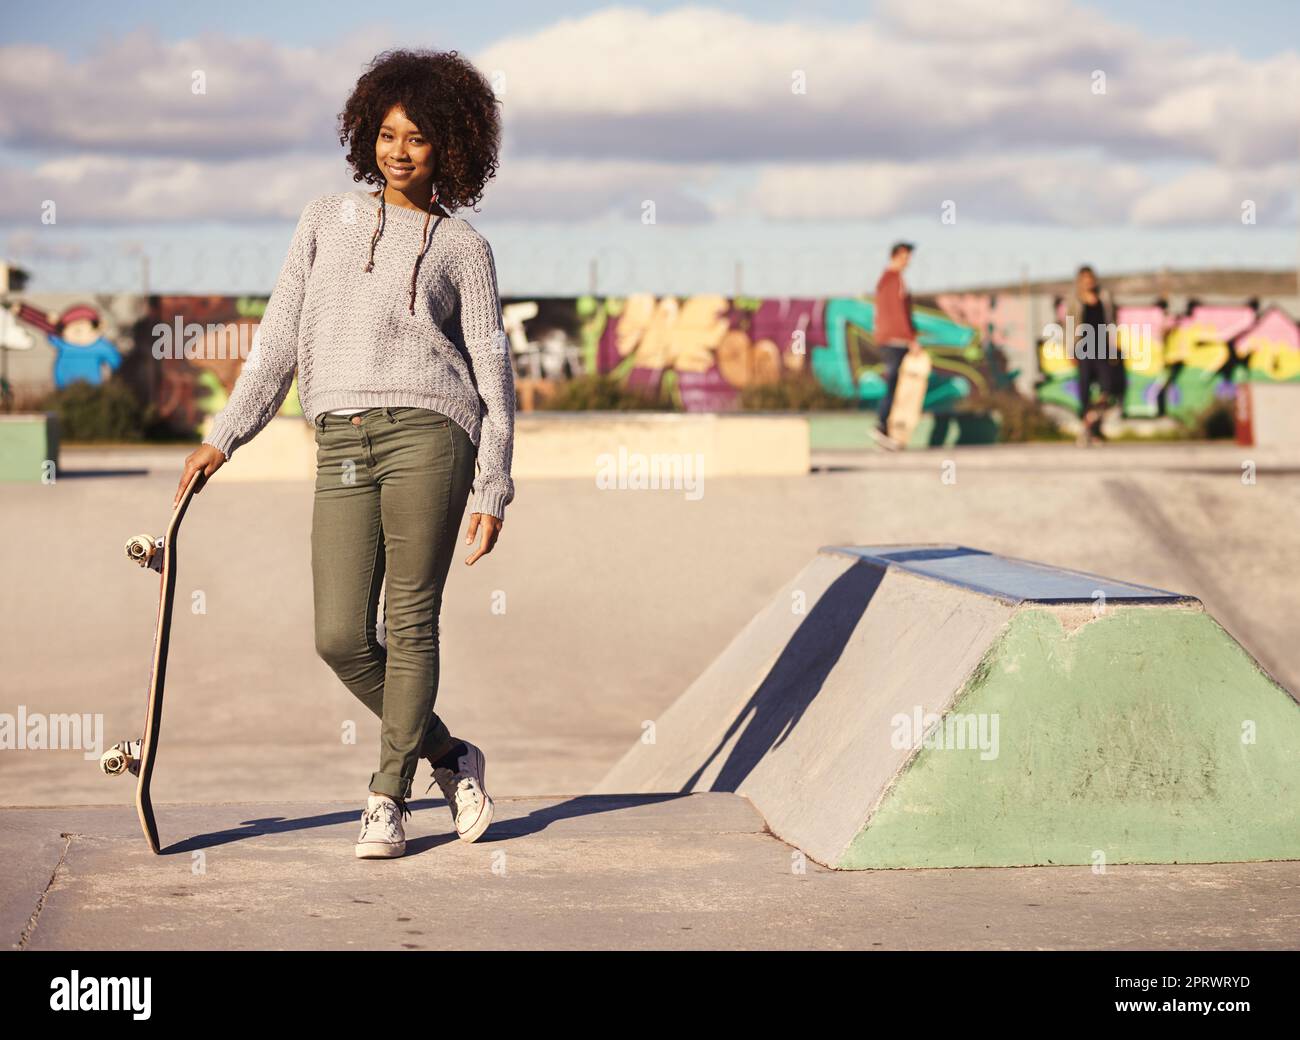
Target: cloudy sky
x,y
784,146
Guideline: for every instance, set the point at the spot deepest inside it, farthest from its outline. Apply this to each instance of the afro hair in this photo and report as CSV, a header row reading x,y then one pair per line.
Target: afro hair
x,y
451,102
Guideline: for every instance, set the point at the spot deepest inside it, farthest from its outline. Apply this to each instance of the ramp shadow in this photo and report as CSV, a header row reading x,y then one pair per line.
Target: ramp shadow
x,y
796,678
94,474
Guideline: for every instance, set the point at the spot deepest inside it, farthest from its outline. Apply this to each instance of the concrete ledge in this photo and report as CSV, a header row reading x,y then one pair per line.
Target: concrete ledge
x,y
581,444
578,444
29,441
284,450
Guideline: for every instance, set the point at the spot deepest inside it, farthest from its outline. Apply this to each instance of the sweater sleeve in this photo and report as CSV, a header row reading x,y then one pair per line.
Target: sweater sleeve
x,y
482,331
268,372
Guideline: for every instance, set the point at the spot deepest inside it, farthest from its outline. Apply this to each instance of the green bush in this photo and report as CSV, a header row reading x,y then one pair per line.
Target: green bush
x,y
108,412
601,393
802,393
1020,418
1216,422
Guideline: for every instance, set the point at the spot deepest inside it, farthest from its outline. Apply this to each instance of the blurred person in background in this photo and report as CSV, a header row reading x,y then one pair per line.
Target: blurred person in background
x,y
895,333
1090,314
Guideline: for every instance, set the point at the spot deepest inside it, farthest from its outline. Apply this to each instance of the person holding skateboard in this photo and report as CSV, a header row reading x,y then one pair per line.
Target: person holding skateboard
x,y
387,309
895,333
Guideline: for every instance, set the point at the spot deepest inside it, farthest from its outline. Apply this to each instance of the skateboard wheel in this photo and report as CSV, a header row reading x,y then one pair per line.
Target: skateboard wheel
x,y
121,758
140,549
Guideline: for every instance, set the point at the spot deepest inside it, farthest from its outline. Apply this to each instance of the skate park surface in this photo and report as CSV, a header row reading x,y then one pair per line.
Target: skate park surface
x,y
614,603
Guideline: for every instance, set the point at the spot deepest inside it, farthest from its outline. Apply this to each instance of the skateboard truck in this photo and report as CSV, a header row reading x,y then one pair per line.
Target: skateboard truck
x,y
123,757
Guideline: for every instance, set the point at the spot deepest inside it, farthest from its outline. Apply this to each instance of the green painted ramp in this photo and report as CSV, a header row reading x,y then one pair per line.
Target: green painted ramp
x,y
938,706
1144,735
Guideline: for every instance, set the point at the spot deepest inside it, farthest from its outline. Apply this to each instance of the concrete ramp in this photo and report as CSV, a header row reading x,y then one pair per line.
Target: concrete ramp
x,y
938,706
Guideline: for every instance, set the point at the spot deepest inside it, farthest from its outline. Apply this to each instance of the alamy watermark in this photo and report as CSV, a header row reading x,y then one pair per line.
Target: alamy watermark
x,y
637,471
952,732
38,731
1085,341
73,992
183,340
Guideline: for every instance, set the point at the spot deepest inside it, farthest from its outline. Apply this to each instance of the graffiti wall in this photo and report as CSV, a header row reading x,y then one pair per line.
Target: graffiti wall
x,y
1178,359
705,350
700,351
180,354
1180,364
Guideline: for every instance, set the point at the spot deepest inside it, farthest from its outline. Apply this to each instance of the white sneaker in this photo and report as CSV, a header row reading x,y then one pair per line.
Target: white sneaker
x,y
470,805
382,836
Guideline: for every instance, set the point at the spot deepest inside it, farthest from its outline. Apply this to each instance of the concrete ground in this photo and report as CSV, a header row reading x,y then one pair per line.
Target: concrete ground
x,y
613,602
661,872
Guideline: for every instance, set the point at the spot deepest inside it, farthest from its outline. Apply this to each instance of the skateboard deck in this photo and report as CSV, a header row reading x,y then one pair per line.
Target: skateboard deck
x,y
138,756
909,397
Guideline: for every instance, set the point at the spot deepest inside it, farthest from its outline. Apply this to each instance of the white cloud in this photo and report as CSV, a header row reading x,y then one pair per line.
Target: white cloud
x,y
973,19
111,190
1234,112
1216,196
922,80
134,96
989,104
1037,188
103,189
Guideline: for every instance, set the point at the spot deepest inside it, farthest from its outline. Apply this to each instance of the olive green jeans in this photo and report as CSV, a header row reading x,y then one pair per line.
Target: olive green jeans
x,y
391,489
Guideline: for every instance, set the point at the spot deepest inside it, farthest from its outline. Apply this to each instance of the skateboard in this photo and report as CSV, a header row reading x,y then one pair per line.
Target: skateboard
x,y
137,756
909,397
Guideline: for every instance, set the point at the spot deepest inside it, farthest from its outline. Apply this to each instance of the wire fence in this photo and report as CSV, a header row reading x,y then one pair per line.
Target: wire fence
x,y
618,269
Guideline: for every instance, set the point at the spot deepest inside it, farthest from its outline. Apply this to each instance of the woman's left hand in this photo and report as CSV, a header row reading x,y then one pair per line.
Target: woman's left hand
x,y
491,528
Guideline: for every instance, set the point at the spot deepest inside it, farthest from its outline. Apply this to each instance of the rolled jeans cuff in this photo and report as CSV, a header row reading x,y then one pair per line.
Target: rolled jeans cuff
x,y
393,786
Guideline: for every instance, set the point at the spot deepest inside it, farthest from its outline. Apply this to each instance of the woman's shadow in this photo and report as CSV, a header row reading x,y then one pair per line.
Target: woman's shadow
x,y
501,830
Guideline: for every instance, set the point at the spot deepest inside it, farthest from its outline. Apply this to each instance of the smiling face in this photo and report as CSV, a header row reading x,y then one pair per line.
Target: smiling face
x,y
80,333
404,155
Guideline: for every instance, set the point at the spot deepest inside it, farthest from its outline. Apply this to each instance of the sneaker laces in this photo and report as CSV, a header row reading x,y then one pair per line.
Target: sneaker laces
x,y
446,784
386,812
457,788
467,786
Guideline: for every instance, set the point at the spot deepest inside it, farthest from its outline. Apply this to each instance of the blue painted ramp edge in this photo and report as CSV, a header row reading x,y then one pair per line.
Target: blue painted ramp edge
x,y
1005,577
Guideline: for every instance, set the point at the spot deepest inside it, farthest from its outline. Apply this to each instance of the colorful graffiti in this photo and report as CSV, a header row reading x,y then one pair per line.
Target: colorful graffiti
x,y
217,332
1176,363
704,351
121,335
1181,365
701,351
81,350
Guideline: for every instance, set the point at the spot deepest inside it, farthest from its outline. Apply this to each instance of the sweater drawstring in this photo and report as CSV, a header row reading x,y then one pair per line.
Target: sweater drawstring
x,y
381,220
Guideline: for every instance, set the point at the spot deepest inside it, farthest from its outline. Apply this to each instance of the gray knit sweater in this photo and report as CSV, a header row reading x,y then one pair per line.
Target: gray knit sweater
x,y
412,331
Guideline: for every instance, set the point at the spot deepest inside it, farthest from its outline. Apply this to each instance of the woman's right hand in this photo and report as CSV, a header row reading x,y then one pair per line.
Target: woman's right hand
x,y
206,459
